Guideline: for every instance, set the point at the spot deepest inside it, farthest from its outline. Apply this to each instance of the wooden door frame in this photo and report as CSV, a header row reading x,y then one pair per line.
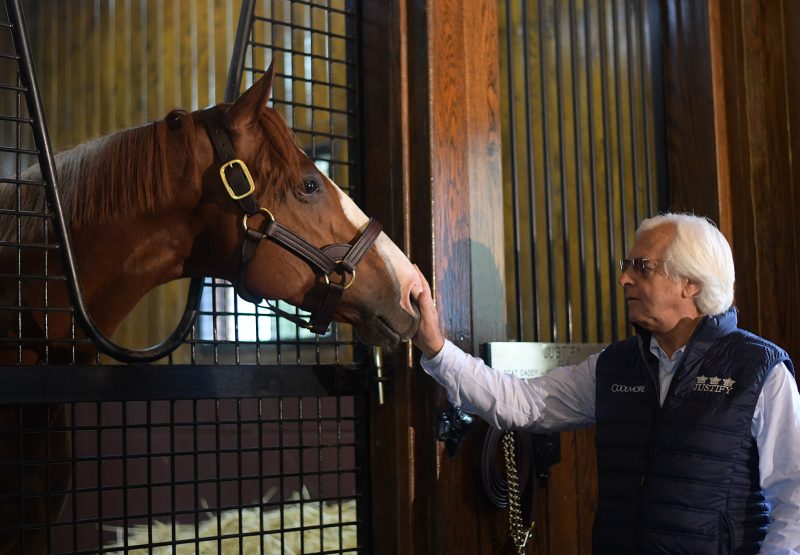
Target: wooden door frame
x,y
431,130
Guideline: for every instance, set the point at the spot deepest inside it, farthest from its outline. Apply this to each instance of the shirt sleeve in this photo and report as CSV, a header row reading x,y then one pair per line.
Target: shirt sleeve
x,y
776,427
561,400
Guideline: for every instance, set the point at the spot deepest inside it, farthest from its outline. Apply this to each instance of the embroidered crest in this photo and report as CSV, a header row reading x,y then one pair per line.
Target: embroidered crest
x,y
714,384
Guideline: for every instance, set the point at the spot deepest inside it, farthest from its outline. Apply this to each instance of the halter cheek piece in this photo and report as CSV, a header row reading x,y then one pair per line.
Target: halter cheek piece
x,y
337,258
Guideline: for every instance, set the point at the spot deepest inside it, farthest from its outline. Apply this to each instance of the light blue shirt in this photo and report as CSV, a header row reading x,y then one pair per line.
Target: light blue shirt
x,y
564,400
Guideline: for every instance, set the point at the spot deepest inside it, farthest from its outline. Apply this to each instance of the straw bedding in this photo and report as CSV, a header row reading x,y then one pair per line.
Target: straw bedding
x,y
326,527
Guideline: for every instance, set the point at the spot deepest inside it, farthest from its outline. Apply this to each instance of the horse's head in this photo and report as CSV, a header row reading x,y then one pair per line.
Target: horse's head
x,y
301,225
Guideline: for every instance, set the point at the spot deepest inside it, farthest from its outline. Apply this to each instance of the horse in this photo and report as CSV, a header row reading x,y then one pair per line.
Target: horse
x,y
224,192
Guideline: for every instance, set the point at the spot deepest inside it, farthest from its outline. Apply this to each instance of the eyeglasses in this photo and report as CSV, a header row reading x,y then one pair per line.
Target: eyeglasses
x,y
642,266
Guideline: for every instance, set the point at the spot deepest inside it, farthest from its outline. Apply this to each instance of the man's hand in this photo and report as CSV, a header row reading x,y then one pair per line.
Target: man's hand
x,y
429,338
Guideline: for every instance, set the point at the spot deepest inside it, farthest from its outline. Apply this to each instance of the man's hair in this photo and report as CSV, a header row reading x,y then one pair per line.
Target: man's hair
x,y
700,253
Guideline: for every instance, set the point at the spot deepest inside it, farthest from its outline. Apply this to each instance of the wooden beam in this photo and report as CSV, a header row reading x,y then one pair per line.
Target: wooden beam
x,y
433,168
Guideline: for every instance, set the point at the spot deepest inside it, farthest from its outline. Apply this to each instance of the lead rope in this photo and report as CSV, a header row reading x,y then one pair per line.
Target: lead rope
x,y
520,535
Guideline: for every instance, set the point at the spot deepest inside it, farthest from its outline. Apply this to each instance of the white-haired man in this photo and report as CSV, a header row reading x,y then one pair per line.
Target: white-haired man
x,y
698,421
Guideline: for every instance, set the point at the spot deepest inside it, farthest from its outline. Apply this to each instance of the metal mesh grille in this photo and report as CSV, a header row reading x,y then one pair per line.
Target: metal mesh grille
x,y
28,299
189,474
311,46
251,436
583,158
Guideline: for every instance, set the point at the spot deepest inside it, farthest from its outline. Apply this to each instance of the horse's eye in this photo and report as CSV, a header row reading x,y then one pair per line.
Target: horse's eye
x,y
311,186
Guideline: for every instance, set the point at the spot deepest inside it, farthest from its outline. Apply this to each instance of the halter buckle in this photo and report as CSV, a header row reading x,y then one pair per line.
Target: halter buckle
x,y
344,273
261,209
247,176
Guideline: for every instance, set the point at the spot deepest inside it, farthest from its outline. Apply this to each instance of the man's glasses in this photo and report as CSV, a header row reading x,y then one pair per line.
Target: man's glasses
x,y
642,266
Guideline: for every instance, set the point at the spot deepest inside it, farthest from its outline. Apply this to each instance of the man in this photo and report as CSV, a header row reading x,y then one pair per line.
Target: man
x,y
698,422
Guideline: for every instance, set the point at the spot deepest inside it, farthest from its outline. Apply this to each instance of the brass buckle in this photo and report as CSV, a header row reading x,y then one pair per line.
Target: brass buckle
x,y
247,176
263,210
347,284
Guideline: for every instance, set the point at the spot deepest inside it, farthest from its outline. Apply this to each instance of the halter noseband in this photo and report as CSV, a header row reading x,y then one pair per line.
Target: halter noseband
x,y
338,258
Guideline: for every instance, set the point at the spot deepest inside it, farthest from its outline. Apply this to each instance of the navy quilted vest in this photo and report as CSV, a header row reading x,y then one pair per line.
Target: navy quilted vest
x,y
682,478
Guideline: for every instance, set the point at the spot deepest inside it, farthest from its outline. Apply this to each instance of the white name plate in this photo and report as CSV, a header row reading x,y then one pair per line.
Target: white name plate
x,y
529,359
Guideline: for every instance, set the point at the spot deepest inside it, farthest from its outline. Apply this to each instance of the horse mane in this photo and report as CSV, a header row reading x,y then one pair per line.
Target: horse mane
x,y
121,174
126,174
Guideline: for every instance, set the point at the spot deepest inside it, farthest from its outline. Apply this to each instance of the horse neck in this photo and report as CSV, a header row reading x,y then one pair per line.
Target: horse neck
x,y
128,234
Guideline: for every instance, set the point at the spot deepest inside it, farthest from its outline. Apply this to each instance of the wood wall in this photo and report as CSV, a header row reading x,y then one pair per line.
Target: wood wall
x,y
731,147
733,127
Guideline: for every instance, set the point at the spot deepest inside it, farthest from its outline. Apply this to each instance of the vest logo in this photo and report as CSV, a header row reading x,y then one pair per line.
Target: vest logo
x,y
714,385
619,388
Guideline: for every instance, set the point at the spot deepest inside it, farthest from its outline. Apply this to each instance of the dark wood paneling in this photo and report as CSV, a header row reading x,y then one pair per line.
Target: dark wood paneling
x,y
432,132
689,108
757,39
752,175
385,169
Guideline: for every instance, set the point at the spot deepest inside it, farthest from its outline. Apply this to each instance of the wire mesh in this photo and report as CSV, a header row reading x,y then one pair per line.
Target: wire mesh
x,y
582,156
210,475
311,46
251,436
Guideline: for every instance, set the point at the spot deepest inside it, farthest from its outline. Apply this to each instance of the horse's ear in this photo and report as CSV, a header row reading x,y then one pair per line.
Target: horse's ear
x,y
246,109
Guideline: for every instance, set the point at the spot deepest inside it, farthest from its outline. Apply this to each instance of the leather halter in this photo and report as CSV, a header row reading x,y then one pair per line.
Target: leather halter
x,y
340,258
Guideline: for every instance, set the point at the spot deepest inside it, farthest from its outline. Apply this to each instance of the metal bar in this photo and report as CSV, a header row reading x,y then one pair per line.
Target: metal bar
x,y
137,382
598,267
609,176
562,148
532,220
243,31
548,211
578,144
634,162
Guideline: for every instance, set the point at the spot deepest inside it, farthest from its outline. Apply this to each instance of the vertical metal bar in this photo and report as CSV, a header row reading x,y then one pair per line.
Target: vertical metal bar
x,y
99,477
623,215
576,110
149,462
239,472
125,525
512,117
196,474
609,176
48,490
281,473
172,472
553,336
562,148
641,25
236,67
531,165
653,26
599,324
634,163
20,474
74,475
18,221
318,445
301,469
218,472
260,464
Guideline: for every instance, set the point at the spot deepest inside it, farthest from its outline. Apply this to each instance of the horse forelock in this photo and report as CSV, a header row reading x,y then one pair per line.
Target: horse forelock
x,y
280,158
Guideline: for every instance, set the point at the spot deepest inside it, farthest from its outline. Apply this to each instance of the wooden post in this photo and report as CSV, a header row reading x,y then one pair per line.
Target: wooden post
x,y
432,133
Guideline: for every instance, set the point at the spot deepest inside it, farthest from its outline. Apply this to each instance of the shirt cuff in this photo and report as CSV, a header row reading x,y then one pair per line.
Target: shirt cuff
x,y
446,368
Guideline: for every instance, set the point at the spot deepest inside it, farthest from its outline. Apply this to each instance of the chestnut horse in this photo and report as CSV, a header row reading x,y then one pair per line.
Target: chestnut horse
x,y
225,193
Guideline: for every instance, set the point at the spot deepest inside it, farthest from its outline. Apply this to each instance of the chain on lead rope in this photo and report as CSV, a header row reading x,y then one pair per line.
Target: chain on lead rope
x,y
520,534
